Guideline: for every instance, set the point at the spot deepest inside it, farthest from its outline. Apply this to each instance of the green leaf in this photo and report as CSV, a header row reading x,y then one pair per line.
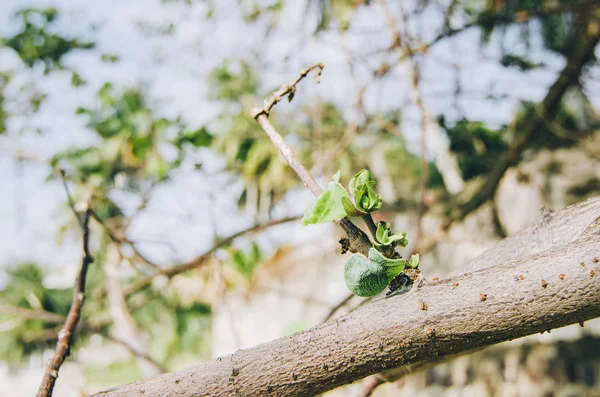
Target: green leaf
x,y
199,138
413,262
385,237
350,208
393,267
328,206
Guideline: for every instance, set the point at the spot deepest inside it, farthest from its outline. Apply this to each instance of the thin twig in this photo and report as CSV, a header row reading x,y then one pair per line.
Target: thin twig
x,y
120,240
337,307
359,241
29,314
200,260
63,177
286,89
65,336
129,347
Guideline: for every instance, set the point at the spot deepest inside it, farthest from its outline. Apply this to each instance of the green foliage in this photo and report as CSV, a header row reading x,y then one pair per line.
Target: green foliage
x,y
559,33
244,262
335,202
109,58
4,80
34,43
25,290
362,188
339,10
561,131
199,138
130,141
175,327
475,146
232,80
363,276
385,238
77,80
512,60
328,206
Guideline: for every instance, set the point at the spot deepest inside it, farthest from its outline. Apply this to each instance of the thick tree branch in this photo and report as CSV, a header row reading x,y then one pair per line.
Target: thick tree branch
x,y
394,332
65,336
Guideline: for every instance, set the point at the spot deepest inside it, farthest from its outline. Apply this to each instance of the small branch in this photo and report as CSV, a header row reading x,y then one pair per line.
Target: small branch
x,y
368,219
129,347
200,260
517,17
286,89
70,200
337,307
288,154
120,240
65,336
28,314
359,241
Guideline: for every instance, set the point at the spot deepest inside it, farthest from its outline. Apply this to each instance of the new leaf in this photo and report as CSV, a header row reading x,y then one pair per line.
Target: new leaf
x,y
328,206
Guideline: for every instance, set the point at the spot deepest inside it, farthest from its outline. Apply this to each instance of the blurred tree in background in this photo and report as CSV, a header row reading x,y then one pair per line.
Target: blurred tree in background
x,y
437,98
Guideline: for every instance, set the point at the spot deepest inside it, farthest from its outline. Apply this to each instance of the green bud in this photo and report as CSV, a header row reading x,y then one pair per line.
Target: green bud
x,y
362,187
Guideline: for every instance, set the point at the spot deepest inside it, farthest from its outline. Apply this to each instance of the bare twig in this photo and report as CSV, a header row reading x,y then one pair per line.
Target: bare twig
x,y
63,177
359,241
115,238
29,314
286,89
517,17
65,336
337,307
129,347
200,260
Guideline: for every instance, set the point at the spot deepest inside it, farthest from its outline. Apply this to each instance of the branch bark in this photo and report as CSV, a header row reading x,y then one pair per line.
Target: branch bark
x,y
395,331
65,335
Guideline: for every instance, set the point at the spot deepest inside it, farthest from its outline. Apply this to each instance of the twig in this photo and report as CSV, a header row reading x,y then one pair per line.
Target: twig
x,y
63,177
129,347
517,17
286,89
337,307
200,260
28,314
120,240
359,241
65,336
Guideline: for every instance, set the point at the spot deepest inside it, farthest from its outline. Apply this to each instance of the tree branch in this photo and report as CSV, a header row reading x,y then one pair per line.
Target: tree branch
x,y
395,331
517,17
29,314
200,260
584,50
65,336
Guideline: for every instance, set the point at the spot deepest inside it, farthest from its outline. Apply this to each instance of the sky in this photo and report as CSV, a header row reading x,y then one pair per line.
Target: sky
x,y
173,69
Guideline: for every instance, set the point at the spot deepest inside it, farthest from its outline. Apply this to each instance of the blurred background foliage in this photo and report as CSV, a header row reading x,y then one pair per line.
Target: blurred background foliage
x,y
134,148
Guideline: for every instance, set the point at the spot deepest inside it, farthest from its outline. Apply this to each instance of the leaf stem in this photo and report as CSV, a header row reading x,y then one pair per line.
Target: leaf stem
x,y
368,219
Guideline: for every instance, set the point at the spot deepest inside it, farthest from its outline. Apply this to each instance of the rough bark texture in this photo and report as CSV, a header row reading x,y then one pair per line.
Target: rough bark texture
x,y
523,293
